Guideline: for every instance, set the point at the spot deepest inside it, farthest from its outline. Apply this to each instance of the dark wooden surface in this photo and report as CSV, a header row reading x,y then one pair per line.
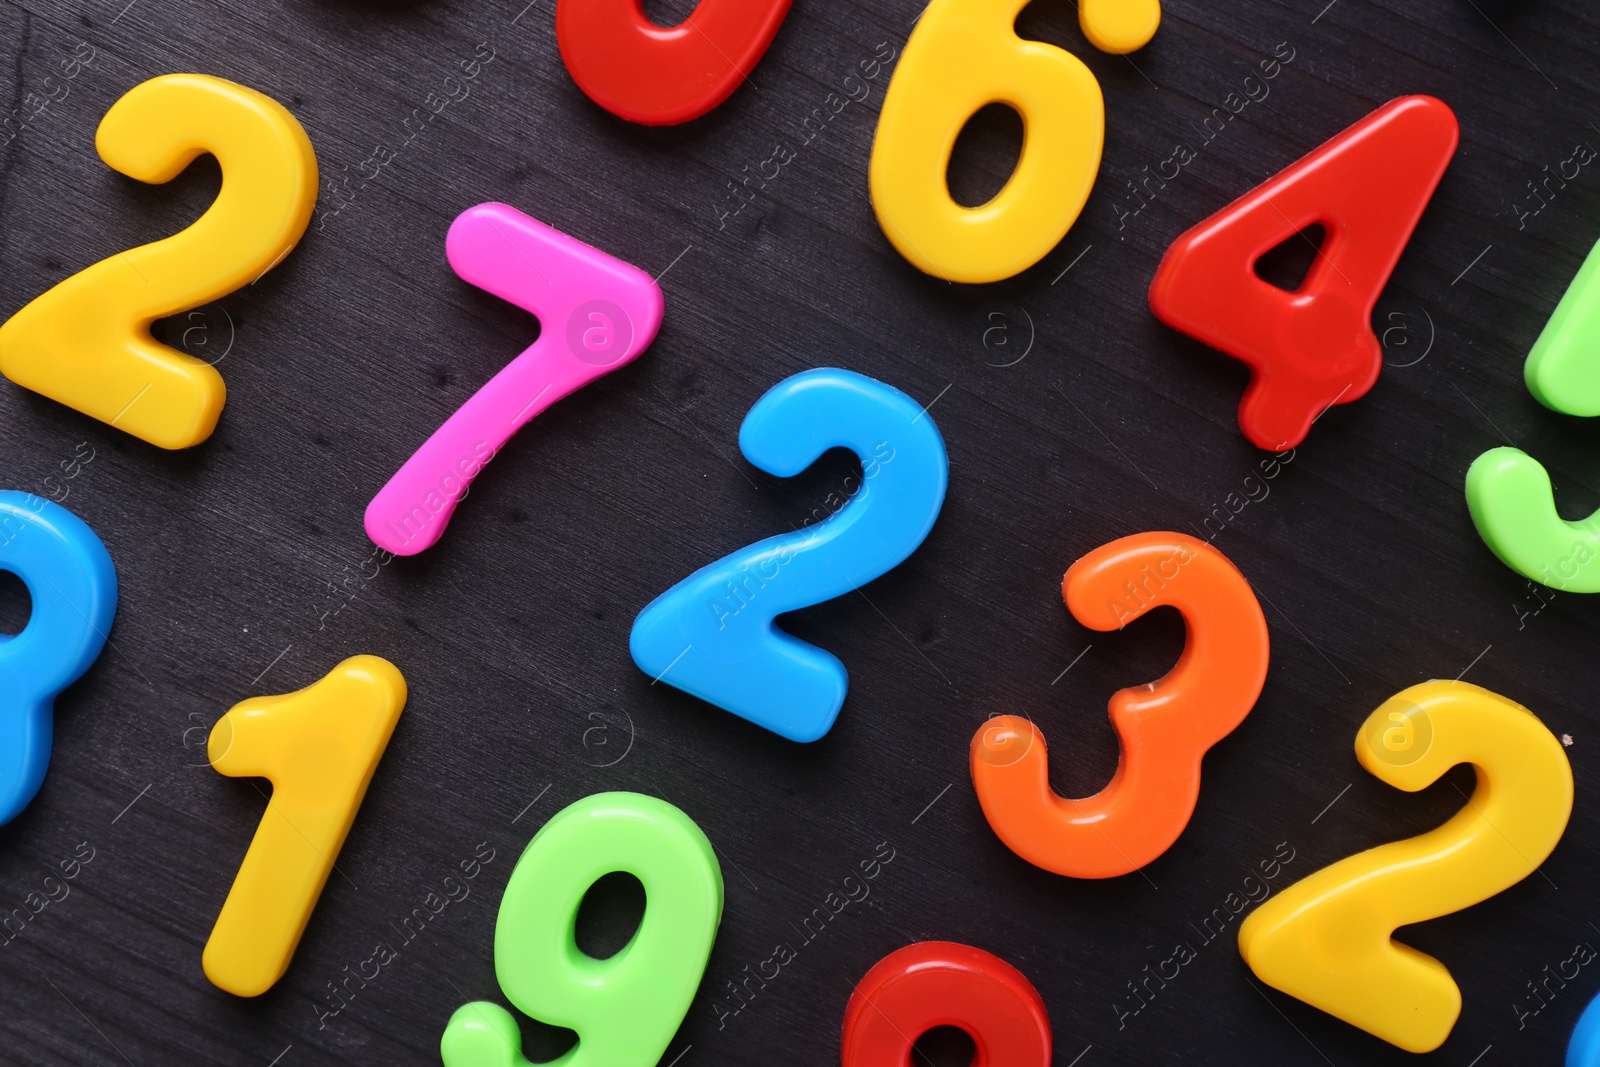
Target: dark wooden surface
x,y
513,631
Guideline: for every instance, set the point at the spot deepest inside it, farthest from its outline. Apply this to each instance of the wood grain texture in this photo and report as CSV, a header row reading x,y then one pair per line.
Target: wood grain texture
x,y
512,632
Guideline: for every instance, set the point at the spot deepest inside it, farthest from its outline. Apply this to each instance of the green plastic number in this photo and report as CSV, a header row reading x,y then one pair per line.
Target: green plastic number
x,y
625,1008
1508,491
1563,370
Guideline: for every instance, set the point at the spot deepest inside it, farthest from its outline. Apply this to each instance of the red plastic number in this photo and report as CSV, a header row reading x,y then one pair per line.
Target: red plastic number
x,y
659,75
941,983
1312,348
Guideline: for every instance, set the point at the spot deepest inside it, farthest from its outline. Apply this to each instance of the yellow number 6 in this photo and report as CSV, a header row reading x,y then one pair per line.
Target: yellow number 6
x,y
963,55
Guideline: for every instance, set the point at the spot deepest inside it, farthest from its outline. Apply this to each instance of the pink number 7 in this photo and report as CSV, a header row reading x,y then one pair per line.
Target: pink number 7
x,y
595,314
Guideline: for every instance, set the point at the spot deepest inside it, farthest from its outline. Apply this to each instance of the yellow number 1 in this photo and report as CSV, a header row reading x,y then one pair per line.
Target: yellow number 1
x,y
319,747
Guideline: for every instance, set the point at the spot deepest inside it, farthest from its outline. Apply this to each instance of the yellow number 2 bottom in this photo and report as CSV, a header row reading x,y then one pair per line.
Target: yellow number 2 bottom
x,y
1328,940
319,747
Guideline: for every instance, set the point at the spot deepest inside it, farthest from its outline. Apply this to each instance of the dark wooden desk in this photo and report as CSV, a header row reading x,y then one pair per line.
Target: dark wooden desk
x,y
1071,415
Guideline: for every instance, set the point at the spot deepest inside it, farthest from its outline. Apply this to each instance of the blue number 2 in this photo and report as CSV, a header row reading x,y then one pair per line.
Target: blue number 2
x,y
713,633
74,590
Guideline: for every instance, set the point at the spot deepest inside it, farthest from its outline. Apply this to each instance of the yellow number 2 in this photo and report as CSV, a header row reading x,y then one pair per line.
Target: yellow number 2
x,y
86,342
963,55
319,747
1328,940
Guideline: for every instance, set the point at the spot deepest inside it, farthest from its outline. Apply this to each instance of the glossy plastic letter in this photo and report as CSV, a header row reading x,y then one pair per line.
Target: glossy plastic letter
x,y
661,75
73,587
1165,727
962,55
1328,940
1508,491
1312,348
627,1007
941,983
596,313
319,747
87,342
713,634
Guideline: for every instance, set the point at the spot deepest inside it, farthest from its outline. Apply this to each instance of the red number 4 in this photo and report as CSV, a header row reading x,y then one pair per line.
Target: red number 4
x,y
1314,347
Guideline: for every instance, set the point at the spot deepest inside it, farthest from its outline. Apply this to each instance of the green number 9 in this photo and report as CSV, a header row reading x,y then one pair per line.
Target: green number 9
x,y
625,1008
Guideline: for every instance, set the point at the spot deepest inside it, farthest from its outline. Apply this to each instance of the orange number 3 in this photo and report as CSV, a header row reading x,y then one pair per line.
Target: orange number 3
x,y
1164,727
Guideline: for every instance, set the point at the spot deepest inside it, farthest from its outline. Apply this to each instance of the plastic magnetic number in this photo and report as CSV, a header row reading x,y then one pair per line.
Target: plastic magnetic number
x,y
87,342
1313,348
660,75
941,983
962,55
625,1008
1563,368
596,313
1328,940
713,633
1583,1050
1164,727
319,747
73,586
1508,491
1119,26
